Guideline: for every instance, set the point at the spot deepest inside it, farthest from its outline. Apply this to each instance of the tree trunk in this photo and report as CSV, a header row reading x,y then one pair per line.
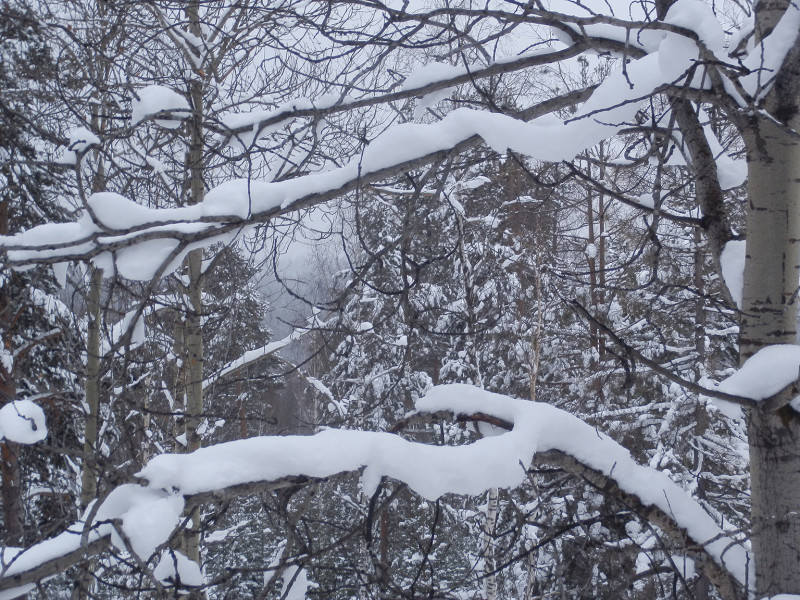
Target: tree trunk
x,y
89,473
770,317
13,510
489,552
193,363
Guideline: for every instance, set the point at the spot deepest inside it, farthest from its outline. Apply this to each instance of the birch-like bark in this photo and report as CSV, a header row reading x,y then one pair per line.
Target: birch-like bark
x,y
770,312
769,316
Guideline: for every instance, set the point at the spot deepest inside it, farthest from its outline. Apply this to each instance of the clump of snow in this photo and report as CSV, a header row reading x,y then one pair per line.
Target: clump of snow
x,y
148,517
765,373
23,422
475,182
699,17
732,263
80,140
766,59
432,73
731,173
174,567
155,99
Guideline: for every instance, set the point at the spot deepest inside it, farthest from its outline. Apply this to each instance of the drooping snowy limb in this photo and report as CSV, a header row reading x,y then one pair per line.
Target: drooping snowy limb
x,y
237,205
23,567
14,582
164,236
259,121
252,124
537,431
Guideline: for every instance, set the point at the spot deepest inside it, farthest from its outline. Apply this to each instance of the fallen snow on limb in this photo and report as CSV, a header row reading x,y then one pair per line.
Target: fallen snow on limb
x,y
149,514
19,560
80,140
145,238
156,99
432,471
175,567
146,517
766,373
23,422
765,60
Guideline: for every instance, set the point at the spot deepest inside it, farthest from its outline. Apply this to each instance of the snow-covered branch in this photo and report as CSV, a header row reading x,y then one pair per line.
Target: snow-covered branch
x,y
537,430
143,242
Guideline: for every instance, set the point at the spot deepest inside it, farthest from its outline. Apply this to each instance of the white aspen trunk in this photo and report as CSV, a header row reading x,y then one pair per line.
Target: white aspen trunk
x,y
769,316
489,563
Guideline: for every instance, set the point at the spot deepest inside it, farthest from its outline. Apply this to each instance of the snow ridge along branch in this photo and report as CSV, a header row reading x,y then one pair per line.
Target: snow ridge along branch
x,y
538,432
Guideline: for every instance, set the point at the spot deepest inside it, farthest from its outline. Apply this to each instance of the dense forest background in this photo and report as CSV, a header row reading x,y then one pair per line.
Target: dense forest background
x,y
607,283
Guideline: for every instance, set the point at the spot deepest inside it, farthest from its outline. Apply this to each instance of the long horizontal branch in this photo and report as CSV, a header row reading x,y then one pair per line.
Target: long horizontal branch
x,y
538,432
469,76
55,565
218,226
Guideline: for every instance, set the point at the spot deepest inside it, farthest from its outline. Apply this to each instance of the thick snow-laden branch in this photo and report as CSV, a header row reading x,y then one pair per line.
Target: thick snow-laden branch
x,y
428,80
143,243
149,514
764,377
141,240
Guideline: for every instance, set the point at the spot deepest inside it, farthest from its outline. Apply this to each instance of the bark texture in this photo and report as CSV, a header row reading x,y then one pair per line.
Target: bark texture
x,y
193,362
769,316
89,473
